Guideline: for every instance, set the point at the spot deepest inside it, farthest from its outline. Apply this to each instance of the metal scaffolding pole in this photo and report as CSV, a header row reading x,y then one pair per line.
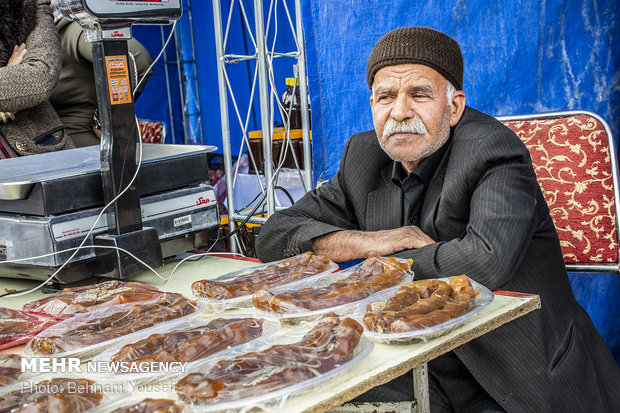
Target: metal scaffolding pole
x,y
263,87
221,77
263,75
195,76
168,89
303,91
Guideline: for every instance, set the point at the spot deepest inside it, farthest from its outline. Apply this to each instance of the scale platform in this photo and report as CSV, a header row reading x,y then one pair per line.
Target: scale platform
x,y
70,180
49,202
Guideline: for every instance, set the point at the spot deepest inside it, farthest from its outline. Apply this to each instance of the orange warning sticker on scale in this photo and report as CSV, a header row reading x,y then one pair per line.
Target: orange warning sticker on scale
x,y
118,79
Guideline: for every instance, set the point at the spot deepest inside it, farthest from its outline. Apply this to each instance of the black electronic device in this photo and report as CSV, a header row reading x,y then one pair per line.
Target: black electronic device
x,y
107,24
105,13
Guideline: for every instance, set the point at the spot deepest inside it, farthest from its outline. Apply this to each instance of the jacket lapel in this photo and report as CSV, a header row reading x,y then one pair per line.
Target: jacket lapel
x,y
384,208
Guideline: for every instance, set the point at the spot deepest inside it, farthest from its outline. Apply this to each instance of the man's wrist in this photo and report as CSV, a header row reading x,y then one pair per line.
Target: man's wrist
x,y
341,246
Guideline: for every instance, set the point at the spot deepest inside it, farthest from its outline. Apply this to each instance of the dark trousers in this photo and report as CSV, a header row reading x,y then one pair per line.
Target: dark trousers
x,y
452,388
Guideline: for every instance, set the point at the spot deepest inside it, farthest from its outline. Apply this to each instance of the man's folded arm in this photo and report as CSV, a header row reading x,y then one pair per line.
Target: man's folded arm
x,y
291,231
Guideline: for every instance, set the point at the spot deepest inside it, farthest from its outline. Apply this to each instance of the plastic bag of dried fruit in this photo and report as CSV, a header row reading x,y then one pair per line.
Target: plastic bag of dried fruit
x,y
71,301
18,327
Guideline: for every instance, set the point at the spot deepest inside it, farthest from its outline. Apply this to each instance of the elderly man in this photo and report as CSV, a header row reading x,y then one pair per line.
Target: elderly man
x,y
455,190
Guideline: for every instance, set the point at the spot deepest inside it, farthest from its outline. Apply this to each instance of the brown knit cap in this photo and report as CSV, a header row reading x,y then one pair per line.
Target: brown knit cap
x,y
421,45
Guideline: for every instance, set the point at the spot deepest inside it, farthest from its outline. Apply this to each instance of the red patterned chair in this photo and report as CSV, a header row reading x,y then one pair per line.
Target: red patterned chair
x,y
575,161
152,132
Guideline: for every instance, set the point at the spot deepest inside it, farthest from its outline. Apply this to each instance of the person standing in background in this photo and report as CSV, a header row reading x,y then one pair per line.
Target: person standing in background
x,y
29,68
75,96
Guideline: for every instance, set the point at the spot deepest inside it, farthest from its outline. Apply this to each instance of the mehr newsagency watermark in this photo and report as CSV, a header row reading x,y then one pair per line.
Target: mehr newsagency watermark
x,y
74,365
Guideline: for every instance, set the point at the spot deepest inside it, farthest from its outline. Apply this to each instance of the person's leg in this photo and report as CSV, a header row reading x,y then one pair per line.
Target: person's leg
x,y
452,388
453,385
399,389
438,399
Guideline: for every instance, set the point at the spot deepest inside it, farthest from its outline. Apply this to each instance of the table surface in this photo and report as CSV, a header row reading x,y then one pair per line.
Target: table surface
x,y
384,363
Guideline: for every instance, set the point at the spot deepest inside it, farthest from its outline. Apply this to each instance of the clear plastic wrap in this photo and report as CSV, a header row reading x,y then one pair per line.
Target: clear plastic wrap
x,y
188,343
235,289
18,327
71,301
339,292
87,334
415,312
58,395
12,376
10,369
270,373
143,405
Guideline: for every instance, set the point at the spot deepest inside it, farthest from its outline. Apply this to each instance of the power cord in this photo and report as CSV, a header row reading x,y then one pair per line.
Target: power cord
x,y
196,257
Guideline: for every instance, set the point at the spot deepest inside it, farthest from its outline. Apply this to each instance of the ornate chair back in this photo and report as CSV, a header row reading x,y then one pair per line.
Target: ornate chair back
x,y
574,157
152,132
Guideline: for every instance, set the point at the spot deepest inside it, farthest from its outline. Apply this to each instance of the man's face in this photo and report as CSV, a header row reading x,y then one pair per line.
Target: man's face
x,y
411,112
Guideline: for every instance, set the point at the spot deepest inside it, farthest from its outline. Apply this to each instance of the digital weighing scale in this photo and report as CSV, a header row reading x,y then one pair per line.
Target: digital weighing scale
x,y
49,202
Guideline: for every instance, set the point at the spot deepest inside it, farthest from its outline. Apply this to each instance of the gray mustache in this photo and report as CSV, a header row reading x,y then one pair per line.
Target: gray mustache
x,y
413,125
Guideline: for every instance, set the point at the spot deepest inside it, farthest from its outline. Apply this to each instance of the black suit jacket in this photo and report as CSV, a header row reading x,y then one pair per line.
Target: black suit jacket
x,y
487,214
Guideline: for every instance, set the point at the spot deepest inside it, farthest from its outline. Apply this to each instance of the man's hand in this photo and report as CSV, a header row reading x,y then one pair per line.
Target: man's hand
x,y
18,55
350,245
6,117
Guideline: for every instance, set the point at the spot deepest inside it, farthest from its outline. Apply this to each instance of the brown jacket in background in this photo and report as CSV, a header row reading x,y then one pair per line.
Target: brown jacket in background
x,y
25,90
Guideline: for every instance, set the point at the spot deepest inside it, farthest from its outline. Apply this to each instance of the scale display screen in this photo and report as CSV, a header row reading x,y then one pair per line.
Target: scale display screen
x,y
105,12
111,7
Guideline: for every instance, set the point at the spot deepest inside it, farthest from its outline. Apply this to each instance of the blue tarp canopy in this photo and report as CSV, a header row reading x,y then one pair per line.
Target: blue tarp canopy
x,y
523,56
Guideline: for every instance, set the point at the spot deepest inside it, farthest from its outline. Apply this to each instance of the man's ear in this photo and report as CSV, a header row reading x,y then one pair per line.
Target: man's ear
x,y
457,107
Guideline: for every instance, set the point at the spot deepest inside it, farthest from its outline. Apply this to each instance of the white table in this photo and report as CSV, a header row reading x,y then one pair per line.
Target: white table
x,y
383,364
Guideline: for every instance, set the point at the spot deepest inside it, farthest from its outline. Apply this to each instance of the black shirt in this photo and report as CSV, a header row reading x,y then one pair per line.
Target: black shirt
x,y
415,184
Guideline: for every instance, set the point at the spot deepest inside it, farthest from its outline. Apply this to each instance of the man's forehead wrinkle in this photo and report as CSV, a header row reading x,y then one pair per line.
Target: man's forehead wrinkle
x,y
420,88
409,81
384,89
411,88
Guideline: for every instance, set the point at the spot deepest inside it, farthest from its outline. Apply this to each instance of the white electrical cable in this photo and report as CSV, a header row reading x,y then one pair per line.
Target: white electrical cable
x,y
135,71
76,249
148,267
285,113
197,256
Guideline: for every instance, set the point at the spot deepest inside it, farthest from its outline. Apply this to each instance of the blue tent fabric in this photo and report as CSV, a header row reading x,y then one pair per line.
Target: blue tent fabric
x,y
598,295
153,103
521,57
240,74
